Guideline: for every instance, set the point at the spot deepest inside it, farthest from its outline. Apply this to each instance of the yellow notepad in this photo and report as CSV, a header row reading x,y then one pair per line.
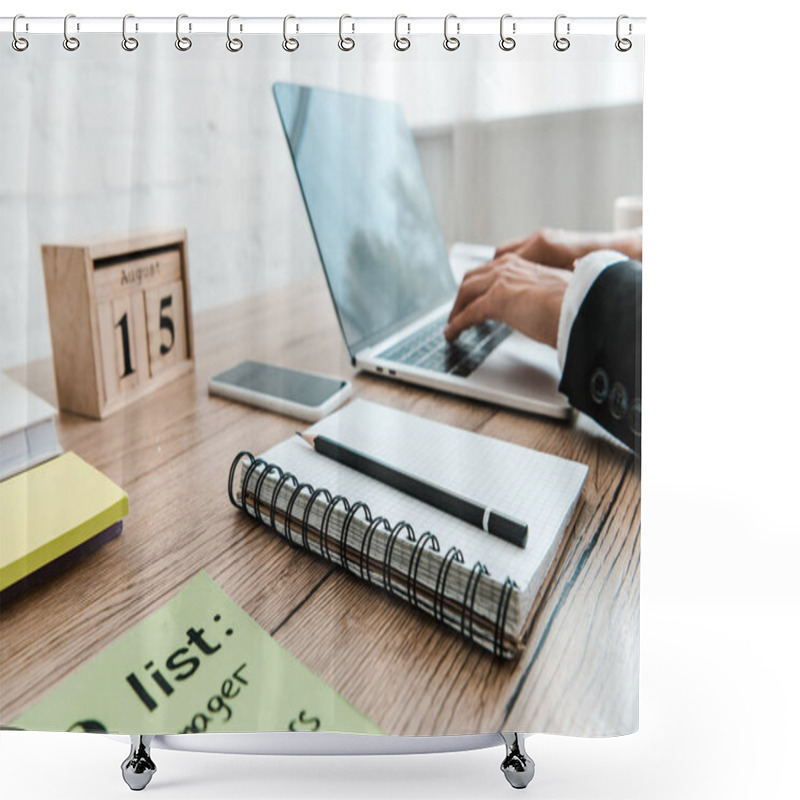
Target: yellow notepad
x,y
52,509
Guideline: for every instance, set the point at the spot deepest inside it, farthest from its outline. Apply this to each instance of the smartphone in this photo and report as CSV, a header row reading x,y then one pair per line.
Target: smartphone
x,y
288,391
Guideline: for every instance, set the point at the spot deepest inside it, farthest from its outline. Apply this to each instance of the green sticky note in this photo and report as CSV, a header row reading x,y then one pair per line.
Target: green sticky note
x,y
199,664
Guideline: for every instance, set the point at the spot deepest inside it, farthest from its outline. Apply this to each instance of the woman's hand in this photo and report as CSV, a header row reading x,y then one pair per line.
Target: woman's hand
x,y
524,295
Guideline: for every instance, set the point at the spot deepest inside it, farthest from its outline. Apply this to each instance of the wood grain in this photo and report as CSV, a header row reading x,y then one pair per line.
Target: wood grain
x,y
171,451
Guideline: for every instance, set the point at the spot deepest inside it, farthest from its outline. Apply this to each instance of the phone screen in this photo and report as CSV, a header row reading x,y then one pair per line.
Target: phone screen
x,y
285,384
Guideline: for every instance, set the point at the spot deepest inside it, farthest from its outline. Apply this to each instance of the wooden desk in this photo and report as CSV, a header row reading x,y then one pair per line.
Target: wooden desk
x,y
171,451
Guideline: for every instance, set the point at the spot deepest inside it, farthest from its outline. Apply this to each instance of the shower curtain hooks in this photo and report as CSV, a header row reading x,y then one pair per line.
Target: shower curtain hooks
x,y
129,43
233,44
183,43
451,42
507,42
18,42
561,43
346,43
623,45
289,44
71,43
401,43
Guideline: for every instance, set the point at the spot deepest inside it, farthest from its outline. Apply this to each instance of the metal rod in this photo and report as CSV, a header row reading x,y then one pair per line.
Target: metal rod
x,y
469,26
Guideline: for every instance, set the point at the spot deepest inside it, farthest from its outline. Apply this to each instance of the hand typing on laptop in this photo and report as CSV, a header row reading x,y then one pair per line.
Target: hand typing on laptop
x,y
524,285
578,293
561,248
524,295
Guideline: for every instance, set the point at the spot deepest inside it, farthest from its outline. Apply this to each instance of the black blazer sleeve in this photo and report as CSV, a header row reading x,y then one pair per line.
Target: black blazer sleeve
x,y
602,373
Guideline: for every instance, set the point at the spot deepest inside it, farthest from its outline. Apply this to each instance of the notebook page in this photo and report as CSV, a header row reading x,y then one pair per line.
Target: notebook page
x,y
531,486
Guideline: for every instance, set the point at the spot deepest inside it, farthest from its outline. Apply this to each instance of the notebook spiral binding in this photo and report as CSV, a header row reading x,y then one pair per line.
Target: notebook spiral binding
x,y
360,566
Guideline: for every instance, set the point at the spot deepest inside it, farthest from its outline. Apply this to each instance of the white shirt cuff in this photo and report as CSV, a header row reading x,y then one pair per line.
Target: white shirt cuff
x,y
586,271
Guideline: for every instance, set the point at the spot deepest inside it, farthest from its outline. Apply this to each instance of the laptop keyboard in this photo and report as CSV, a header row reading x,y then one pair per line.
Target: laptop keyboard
x,y
428,349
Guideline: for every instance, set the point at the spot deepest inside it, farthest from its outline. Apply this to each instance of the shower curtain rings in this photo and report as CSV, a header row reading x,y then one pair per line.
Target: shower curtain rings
x,y
289,44
129,43
507,42
234,45
183,43
17,42
346,43
401,43
451,42
70,42
623,45
561,43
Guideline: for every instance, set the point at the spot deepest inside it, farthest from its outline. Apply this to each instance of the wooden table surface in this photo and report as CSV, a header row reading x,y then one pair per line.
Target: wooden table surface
x,y
578,673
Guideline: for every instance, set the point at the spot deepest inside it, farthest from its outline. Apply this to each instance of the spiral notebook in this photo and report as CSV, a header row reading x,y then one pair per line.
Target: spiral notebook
x,y
481,586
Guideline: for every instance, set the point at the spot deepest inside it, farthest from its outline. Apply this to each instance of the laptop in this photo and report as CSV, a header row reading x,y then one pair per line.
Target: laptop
x,y
386,262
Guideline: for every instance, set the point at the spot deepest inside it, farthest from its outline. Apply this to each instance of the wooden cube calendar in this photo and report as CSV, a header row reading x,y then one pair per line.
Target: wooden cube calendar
x,y
120,318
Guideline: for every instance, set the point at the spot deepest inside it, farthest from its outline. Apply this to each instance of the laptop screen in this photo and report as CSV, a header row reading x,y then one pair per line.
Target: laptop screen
x,y
377,233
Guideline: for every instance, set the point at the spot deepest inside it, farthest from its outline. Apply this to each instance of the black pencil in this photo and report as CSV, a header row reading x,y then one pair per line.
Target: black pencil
x,y
488,519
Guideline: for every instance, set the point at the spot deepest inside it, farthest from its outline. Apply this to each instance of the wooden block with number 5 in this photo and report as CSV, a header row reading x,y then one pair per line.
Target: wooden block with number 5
x,y
166,325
